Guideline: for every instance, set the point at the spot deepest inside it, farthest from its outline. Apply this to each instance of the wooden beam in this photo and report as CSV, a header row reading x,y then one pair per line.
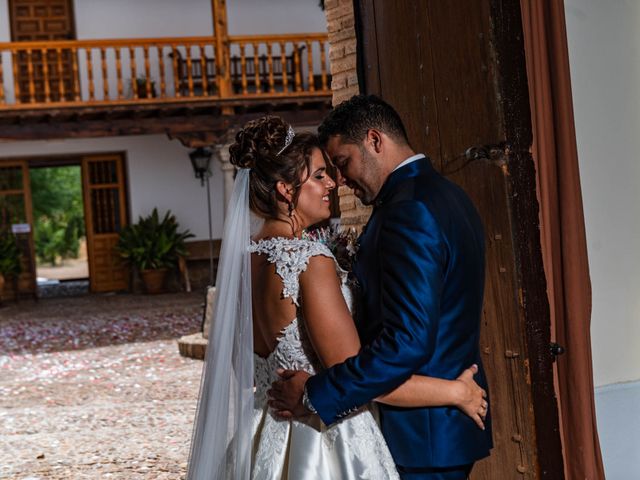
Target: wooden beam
x,y
95,124
221,34
197,139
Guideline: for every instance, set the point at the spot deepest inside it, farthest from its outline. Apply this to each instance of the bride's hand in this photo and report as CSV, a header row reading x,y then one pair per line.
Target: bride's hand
x,y
471,397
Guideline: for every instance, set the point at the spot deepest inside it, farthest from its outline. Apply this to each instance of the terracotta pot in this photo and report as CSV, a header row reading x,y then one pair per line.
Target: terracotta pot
x,y
154,280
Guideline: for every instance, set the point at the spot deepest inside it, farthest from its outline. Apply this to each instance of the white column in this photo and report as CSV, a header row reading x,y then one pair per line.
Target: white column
x,y
228,171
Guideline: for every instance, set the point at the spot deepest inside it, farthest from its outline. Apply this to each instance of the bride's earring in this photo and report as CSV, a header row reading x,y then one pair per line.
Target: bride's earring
x,y
290,209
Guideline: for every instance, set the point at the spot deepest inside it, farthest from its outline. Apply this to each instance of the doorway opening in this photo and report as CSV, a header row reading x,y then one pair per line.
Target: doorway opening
x,y
62,266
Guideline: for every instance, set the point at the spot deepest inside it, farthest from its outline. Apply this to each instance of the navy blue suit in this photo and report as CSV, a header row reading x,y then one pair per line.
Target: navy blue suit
x,y
420,267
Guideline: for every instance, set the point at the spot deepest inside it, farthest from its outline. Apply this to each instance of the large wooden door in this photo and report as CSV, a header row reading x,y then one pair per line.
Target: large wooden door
x,y
105,215
16,216
43,76
455,71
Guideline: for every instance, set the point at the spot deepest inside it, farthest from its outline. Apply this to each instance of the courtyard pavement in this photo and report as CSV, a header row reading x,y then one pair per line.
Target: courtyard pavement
x,y
93,387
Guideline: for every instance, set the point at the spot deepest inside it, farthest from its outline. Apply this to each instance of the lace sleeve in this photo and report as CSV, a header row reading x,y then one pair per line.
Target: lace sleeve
x,y
291,257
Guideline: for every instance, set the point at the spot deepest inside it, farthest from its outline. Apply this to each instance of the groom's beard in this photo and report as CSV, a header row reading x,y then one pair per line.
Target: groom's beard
x,y
370,179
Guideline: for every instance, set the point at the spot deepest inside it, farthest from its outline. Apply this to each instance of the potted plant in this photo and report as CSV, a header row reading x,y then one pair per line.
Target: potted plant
x,y
10,266
153,245
141,88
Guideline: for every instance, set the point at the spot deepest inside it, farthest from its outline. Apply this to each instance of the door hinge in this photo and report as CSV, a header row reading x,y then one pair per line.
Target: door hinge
x,y
556,349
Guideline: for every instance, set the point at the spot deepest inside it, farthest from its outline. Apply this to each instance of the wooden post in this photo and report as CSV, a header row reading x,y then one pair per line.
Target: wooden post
x,y
221,34
119,72
1,92
44,52
61,88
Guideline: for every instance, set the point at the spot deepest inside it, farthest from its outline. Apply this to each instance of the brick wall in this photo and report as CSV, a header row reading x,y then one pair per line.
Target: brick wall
x,y
342,54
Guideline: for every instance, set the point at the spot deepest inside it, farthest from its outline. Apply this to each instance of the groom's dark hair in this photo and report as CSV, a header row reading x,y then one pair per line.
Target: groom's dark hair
x,y
352,118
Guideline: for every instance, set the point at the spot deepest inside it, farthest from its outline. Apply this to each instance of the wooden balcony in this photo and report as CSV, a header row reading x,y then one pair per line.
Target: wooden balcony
x,y
160,77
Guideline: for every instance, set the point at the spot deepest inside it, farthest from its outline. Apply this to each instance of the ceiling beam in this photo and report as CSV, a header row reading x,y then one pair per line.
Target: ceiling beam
x,y
94,122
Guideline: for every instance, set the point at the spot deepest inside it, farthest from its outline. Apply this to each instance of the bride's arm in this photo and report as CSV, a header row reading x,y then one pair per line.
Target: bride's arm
x,y
421,391
329,324
334,338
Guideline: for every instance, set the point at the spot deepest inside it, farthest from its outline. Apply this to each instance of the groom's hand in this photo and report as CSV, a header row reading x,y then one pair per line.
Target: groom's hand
x,y
286,394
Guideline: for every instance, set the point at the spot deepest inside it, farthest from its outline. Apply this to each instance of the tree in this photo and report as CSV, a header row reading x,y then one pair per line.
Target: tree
x,y
58,212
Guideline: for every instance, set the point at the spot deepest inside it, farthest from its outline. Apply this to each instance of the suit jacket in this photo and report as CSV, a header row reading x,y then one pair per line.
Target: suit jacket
x,y
421,268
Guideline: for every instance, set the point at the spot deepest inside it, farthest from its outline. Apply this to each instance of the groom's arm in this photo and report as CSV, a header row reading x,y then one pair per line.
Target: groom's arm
x,y
412,256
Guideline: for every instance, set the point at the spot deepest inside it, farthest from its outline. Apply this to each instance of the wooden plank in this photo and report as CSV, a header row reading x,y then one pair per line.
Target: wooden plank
x,y
521,170
502,339
466,89
104,219
92,123
199,249
414,68
222,57
44,21
26,281
151,42
461,82
368,57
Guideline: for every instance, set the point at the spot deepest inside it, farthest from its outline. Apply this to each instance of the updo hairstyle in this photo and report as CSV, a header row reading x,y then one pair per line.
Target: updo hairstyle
x,y
257,146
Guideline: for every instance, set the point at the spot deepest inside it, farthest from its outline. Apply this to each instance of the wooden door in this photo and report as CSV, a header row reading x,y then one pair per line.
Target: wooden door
x,y
16,216
105,208
43,76
455,71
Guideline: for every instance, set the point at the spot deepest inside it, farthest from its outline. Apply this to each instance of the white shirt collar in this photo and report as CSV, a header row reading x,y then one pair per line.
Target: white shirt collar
x,y
413,158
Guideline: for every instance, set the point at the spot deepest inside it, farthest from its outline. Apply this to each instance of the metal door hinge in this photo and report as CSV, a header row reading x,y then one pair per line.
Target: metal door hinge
x,y
556,349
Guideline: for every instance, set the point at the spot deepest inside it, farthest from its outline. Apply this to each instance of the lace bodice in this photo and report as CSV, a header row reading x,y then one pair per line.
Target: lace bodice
x,y
305,448
293,351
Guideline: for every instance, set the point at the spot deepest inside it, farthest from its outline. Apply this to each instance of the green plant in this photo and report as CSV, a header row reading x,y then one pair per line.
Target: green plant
x,y
141,88
9,255
152,243
58,212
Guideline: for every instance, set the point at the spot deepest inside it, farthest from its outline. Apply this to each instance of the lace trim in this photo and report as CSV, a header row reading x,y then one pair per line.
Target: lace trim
x,y
291,257
293,352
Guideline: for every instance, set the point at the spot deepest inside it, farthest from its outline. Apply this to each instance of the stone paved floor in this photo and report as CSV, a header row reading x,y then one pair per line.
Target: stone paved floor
x,y
68,288
93,387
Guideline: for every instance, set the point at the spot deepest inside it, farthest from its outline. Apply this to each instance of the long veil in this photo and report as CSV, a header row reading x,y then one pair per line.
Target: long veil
x,y
220,446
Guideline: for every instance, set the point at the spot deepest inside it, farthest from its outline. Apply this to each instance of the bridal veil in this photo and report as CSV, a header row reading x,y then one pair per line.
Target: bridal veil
x,y
221,442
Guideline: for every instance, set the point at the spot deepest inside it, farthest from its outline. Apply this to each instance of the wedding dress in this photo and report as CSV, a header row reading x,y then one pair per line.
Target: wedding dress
x,y
354,447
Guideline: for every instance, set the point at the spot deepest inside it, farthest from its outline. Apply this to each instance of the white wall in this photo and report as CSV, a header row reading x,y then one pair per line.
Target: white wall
x,y
167,18
248,17
185,18
604,47
5,29
619,429
159,175
142,18
604,43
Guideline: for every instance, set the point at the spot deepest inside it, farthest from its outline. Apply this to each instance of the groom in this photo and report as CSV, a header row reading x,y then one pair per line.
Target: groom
x,y
420,267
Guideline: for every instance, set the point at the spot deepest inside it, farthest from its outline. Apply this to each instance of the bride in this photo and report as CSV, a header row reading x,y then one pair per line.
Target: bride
x,y
283,302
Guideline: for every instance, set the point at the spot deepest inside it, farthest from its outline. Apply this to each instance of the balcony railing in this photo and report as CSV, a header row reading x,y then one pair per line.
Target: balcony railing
x,y
135,71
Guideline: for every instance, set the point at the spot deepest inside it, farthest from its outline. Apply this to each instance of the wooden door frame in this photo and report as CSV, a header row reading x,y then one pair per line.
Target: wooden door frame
x,y
528,250
28,206
72,14
61,160
41,161
521,182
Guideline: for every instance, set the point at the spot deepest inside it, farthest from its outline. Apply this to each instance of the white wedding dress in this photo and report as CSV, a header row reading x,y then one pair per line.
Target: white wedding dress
x,y
353,448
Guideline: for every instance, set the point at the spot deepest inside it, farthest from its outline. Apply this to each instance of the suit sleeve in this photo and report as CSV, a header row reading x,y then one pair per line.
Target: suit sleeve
x,y
412,257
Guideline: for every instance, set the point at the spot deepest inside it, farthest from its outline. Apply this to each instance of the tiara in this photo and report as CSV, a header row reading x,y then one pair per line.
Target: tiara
x,y
287,140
